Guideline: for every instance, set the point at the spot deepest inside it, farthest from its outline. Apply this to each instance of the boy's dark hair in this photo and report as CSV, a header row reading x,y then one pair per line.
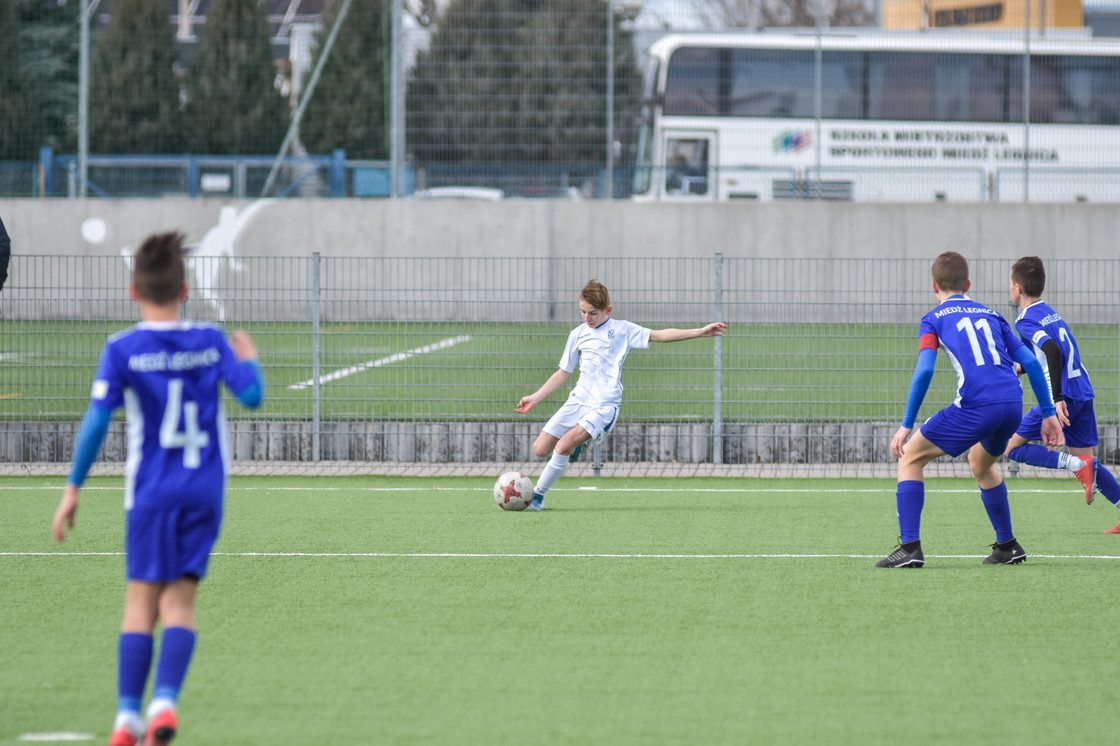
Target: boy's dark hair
x,y
1029,273
595,293
950,272
157,271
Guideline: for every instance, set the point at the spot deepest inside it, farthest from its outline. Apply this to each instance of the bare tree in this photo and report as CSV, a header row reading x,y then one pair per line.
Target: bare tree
x,y
771,13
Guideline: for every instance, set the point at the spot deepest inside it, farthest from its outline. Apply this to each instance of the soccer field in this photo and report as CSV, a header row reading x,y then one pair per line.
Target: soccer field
x,y
377,610
477,371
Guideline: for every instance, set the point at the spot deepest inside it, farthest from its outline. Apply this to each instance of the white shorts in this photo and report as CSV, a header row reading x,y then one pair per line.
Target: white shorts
x,y
597,421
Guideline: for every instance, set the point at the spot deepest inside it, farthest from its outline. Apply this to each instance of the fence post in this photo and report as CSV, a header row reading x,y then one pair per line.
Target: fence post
x,y
337,173
717,370
315,424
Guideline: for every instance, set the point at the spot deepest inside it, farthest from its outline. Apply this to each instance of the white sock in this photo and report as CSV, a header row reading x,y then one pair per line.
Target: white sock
x,y
1069,462
552,471
156,706
130,720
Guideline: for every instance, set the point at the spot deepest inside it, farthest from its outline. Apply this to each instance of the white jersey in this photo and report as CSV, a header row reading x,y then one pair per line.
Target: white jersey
x,y
599,354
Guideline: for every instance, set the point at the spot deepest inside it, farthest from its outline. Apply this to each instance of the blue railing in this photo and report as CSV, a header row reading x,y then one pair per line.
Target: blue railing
x,y
330,176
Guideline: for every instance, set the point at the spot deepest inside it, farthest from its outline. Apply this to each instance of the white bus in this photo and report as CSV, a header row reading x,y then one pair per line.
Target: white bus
x,y
890,117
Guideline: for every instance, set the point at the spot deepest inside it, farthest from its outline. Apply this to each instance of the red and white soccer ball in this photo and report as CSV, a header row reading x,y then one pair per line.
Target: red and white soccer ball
x,y
513,491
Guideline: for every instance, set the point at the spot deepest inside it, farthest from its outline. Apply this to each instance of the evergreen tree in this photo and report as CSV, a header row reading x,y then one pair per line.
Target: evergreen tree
x,y
49,40
349,107
134,96
459,106
19,112
233,106
519,81
565,104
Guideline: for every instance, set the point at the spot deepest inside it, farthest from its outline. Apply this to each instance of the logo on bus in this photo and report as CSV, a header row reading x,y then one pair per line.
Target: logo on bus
x,y
792,141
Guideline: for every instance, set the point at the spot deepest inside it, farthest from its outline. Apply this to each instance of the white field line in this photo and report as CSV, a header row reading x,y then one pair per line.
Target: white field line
x,y
602,490
57,737
554,555
394,358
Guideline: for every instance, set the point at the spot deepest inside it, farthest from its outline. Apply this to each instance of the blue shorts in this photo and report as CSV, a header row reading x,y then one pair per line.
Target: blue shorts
x,y
1082,429
956,429
162,546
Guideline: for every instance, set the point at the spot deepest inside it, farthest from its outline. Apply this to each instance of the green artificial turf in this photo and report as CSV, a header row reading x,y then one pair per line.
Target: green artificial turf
x,y
379,610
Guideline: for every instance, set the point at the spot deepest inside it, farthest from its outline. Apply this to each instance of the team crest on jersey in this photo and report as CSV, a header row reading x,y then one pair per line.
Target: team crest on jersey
x,y
610,333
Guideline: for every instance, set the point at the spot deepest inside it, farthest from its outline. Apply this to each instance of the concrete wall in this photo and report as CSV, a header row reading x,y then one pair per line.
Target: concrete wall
x,y
459,250
451,228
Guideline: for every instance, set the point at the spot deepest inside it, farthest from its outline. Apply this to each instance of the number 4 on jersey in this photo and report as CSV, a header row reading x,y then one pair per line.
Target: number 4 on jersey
x,y
190,438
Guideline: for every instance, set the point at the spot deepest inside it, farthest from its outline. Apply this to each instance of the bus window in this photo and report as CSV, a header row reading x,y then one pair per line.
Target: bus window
x,y
686,172
900,86
692,83
782,83
771,83
1067,89
985,87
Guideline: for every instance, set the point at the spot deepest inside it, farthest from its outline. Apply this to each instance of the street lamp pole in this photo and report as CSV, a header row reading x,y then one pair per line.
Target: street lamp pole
x,y
610,100
629,10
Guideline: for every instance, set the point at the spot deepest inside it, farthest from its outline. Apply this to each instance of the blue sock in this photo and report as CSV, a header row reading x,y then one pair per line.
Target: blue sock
x,y
1108,485
134,660
1035,455
999,511
910,498
175,650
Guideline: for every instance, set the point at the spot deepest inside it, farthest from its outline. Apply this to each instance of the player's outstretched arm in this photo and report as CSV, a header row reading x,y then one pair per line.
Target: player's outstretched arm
x,y
714,329
555,381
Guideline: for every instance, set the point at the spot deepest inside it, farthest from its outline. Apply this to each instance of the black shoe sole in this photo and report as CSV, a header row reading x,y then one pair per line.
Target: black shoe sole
x,y
163,736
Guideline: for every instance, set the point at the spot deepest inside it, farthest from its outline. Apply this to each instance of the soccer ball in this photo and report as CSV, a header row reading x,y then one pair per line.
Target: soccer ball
x,y
513,491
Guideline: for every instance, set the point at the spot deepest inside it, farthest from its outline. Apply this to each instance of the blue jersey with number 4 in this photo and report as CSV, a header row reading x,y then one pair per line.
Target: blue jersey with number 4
x,y
1039,322
167,376
980,345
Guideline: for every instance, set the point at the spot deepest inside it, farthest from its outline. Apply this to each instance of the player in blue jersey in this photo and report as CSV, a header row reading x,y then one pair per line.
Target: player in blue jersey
x,y
1048,336
598,347
982,418
166,373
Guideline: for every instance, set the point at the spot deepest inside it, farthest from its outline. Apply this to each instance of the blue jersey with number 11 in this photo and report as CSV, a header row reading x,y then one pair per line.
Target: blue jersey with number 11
x,y
980,344
167,376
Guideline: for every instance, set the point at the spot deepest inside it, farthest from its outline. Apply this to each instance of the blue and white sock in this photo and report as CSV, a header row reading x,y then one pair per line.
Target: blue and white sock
x,y
1036,455
175,651
134,661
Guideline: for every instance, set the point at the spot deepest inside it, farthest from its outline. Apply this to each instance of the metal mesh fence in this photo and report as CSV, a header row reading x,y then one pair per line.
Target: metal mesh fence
x,y
383,361
876,100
